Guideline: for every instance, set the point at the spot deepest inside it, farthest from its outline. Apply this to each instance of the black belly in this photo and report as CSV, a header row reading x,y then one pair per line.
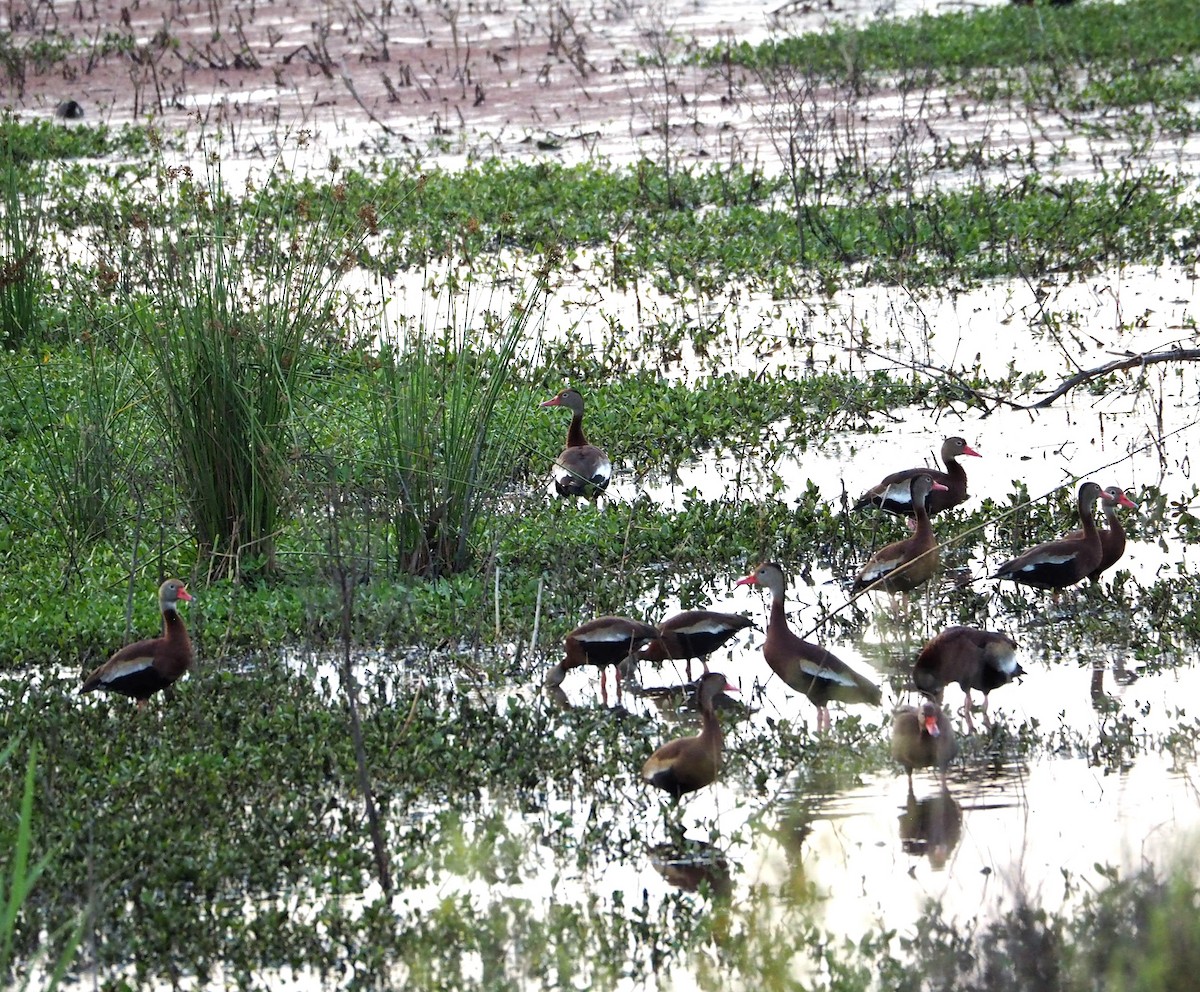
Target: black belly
x,y
141,684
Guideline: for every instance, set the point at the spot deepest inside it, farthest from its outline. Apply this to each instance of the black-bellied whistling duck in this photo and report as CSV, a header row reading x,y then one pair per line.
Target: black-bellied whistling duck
x,y
693,634
1112,538
904,565
974,658
690,763
894,493
923,738
581,469
601,642
141,669
1062,563
807,668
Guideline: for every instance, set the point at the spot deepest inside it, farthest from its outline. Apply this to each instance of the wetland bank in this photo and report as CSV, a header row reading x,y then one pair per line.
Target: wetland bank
x,y
303,371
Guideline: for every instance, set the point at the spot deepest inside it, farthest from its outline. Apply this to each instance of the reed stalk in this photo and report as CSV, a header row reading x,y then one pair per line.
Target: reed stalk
x,y
448,441
21,262
230,325
18,876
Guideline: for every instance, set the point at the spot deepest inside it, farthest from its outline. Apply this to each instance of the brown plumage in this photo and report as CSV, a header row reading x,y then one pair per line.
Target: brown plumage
x,y
904,565
581,469
976,659
923,738
894,493
1061,563
1112,538
693,634
690,763
807,668
145,667
601,642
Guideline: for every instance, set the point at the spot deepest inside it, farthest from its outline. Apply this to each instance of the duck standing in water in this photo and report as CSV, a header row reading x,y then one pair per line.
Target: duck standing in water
x,y
690,763
141,669
581,469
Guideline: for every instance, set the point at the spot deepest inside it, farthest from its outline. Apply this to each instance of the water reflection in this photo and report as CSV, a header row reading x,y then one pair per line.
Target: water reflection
x,y
692,865
931,827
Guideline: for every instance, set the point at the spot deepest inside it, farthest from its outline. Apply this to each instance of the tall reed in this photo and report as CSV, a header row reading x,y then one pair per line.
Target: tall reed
x,y
448,442
79,408
238,292
21,261
18,875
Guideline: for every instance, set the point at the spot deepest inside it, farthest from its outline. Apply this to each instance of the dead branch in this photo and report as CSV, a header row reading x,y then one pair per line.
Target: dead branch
x,y
1128,361
1117,365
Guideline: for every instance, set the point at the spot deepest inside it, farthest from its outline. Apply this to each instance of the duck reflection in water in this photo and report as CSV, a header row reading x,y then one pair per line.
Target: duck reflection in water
x,y
1101,701
931,827
693,865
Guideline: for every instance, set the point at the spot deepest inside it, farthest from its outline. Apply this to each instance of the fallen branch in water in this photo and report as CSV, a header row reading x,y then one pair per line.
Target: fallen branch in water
x,y
1128,361
1118,365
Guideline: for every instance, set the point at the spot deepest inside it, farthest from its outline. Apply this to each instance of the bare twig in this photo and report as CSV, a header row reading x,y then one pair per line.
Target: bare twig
x,y
1128,362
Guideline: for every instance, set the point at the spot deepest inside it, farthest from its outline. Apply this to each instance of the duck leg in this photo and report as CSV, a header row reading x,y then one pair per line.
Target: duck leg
x,y
966,712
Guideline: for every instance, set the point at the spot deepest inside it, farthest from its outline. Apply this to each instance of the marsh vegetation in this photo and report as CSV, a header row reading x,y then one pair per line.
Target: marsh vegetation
x,y
307,378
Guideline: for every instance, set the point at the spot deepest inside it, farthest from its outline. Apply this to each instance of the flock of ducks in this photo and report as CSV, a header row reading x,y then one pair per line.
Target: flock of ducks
x,y
976,660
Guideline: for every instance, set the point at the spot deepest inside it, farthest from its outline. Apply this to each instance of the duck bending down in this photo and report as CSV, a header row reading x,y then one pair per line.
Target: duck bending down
x,y
904,565
976,659
923,738
581,469
807,668
690,763
141,669
1112,538
1061,563
601,642
894,493
693,634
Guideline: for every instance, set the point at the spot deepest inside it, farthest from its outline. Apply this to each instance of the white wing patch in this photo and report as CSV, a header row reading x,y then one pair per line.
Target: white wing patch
x,y
609,637
1059,559
829,675
704,627
879,569
1007,662
899,493
123,669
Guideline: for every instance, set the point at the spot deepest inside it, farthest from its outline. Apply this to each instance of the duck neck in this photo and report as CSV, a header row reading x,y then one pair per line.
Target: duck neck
x,y
575,438
778,618
1087,517
173,629
1114,520
710,727
924,529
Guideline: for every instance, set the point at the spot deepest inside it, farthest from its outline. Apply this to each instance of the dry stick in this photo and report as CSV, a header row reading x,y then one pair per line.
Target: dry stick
x,y
537,615
349,82
137,540
412,710
1001,516
1127,362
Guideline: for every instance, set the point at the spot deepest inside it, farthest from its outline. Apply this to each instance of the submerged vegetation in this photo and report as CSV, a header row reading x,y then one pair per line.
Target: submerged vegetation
x,y
314,394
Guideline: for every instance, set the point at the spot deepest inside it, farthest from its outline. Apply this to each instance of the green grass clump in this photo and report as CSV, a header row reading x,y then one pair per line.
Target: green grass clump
x,y
1141,32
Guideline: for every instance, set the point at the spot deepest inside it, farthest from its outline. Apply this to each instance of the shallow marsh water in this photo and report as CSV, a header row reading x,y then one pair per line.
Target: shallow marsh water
x,y
1107,775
